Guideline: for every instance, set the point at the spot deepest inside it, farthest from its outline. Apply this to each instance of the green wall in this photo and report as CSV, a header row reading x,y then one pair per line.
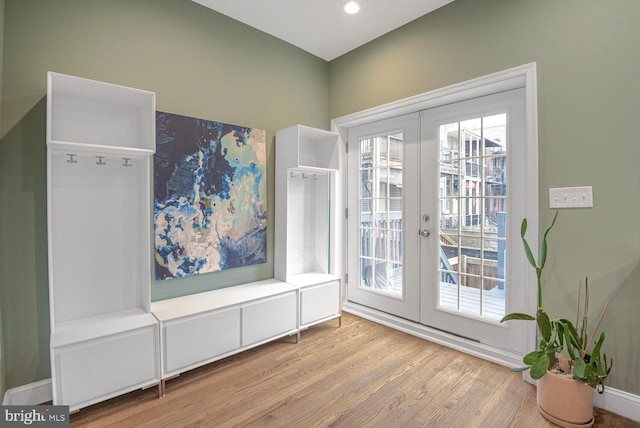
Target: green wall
x,y
199,63
588,57
203,64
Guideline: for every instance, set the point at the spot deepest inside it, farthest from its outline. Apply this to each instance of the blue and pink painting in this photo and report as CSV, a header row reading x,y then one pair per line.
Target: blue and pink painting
x,y
210,196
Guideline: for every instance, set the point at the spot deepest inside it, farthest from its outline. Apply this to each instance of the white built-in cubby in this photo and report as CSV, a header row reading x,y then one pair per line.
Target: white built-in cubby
x,y
100,143
306,162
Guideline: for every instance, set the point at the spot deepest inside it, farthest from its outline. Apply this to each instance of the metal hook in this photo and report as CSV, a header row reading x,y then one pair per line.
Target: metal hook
x,y
71,158
100,160
126,162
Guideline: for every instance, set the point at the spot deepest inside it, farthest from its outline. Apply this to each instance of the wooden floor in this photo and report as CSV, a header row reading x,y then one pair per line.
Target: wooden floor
x,y
359,375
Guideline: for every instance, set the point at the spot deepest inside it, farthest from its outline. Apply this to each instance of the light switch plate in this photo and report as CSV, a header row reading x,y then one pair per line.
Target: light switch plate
x,y
571,197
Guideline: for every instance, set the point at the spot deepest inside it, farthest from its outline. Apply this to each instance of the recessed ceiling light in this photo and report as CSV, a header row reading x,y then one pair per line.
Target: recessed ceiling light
x,y
351,7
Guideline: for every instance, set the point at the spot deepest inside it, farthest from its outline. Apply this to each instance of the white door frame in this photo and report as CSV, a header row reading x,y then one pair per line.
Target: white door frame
x,y
518,77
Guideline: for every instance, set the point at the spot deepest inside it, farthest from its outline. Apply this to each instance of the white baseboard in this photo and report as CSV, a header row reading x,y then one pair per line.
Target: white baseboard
x,y
613,400
29,395
619,402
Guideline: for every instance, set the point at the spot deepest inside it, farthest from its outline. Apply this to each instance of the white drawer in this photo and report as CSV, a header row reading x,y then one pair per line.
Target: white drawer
x,y
189,341
94,371
319,302
269,318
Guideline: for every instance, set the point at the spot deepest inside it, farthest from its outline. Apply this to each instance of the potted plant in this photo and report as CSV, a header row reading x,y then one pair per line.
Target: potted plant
x,y
567,364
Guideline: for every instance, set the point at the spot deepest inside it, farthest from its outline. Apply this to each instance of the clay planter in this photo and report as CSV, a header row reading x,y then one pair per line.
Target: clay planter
x,y
565,402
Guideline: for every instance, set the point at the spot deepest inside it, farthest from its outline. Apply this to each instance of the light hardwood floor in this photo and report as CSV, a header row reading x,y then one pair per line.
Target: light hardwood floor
x,y
359,375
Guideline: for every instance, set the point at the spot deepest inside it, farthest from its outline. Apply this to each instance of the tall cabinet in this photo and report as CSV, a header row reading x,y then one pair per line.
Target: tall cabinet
x,y
306,162
100,143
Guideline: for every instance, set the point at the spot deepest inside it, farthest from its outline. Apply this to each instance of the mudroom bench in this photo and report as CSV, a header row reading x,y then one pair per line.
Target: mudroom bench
x,y
201,328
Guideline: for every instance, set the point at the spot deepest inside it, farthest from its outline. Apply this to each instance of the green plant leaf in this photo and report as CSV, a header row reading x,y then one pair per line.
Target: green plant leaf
x,y
517,316
540,367
607,366
523,227
543,245
598,345
520,369
527,249
589,376
579,367
529,254
553,338
571,334
543,255
559,326
572,339
532,357
544,325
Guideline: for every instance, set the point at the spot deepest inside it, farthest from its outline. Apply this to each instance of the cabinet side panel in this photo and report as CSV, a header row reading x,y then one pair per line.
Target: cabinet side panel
x,y
329,153
286,158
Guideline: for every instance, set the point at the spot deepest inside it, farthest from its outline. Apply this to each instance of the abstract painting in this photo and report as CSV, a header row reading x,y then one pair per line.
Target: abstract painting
x,y
210,196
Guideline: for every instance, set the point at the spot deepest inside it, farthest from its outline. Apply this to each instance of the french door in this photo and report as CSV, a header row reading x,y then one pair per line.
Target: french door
x,y
474,195
383,245
435,202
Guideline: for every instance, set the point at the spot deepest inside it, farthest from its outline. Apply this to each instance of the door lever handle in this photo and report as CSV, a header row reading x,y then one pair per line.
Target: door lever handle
x,y
425,233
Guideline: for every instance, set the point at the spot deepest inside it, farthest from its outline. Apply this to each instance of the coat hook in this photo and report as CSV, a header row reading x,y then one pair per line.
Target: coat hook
x,y
71,158
126,162
100,160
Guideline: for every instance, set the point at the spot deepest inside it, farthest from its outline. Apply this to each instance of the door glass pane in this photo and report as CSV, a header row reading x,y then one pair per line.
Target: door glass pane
x,y
473,160
381,202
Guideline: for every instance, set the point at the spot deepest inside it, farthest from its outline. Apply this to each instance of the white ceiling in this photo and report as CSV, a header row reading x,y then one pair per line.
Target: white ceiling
x,y
320,26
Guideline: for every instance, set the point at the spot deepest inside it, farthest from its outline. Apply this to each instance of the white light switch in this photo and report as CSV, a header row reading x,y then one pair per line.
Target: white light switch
x,y
571,197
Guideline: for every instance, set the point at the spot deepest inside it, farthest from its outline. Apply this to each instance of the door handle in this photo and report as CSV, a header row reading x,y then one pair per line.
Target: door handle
x,y
425,233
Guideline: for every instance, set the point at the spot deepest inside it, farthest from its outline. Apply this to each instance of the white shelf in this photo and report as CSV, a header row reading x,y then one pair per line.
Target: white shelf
x,y
96,149
311,278
308,148
213,300
90,328
91,112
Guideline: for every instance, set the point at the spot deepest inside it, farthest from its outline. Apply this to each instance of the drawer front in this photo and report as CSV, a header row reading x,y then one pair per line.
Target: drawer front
x,y
100,369
268,318
192,340
319,301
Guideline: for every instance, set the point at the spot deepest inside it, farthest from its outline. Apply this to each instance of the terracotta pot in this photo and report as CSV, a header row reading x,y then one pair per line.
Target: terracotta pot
x,y
565,402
